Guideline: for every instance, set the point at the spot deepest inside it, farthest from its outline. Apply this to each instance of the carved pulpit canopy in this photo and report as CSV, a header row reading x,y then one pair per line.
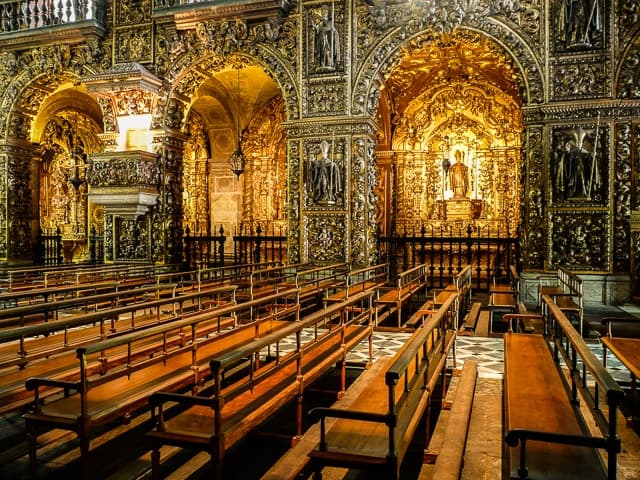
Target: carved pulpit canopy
x,y
126,183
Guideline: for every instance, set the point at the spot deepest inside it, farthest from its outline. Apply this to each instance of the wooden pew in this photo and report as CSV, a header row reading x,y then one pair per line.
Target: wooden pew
x,y
390,299
376,430
292,464
449,456
524,321
40,294
358,280
267,281
47,349
116,376
471,320
81,301
314,281
215,423
460,286
25,278
236,274
565,288
623,341
555,443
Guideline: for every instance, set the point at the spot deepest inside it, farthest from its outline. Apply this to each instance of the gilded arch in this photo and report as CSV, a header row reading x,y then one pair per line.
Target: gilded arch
x,y
212,46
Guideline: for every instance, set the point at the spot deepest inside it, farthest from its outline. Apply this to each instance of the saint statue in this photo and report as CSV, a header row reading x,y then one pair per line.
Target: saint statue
x,y
326,179
327,41
459,176
579,20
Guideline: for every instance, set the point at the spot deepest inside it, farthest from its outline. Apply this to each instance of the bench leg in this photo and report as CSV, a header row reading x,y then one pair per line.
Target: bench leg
x,y
32,438
522,470
155,462
84,455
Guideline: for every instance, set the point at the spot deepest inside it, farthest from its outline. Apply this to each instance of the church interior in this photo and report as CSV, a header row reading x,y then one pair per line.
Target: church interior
x,y
345,239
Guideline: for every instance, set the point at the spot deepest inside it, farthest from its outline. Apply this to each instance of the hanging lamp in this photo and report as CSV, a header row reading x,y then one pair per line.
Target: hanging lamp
x,y
237,161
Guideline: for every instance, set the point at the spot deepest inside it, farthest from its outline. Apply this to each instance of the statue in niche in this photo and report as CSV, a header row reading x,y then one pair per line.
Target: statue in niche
x,y
326,178
577,174
459,176
326,40
579,19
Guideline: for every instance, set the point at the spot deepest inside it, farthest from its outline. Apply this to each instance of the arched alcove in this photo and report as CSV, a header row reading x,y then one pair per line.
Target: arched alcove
x,y
451,154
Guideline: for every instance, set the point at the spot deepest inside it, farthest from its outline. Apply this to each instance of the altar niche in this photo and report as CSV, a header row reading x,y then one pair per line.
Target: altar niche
x,y
459,184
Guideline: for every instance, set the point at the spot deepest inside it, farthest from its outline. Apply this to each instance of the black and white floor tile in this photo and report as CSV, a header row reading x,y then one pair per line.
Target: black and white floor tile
x,y
488,352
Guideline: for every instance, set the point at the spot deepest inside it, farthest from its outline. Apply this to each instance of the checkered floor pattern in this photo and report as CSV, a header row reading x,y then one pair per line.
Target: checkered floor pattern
x,y
488,352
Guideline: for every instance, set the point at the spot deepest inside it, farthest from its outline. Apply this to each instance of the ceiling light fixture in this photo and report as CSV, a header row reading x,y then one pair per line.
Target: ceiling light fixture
x,y
237,161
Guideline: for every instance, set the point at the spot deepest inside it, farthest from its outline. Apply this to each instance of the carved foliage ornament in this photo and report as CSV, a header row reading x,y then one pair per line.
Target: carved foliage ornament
x,y
122,172
625,137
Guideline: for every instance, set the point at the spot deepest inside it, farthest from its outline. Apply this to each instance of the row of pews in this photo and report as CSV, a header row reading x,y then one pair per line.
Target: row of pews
x,y
106,346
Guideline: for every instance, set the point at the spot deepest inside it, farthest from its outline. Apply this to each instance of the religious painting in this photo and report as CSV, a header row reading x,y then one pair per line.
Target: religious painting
x,y
579,172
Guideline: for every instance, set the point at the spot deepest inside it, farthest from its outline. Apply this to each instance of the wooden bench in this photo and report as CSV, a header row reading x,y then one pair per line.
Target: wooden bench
x,y
293,464
314,281
501,302
116,376
267,281
34,313
460,286
376,430
449,456
541,404
471,320
47,349
622,339
356,281
391,299
565,288
215,423
523,321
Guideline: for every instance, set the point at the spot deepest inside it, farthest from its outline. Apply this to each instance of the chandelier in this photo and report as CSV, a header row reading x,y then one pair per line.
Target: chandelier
x,y
237,161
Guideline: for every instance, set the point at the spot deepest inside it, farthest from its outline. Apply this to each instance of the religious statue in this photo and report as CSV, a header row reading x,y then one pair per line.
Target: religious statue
x,y
577,171
579,19
459,176
327,40
326,179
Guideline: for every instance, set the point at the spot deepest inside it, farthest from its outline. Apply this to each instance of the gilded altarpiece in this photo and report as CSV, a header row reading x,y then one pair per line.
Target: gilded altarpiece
x,y
195,196
265,177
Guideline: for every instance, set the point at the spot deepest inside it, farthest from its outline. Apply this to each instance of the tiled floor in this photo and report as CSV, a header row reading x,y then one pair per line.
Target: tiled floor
x,y
487,351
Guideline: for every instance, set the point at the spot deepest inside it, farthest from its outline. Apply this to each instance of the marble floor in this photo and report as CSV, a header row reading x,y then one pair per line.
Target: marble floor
x,y
487,351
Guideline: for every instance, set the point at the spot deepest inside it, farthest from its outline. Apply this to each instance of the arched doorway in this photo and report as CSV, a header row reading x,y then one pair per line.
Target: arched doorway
x,y
67,128
237,106
450,151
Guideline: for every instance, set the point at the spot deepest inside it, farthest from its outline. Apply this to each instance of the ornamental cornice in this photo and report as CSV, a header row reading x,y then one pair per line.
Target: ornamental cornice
x,y
601,106
189,15
122,77
67,34
330,126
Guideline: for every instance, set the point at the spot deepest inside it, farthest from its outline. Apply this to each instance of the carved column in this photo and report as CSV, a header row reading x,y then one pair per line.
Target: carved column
x,y
166,222
332,205
16,230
